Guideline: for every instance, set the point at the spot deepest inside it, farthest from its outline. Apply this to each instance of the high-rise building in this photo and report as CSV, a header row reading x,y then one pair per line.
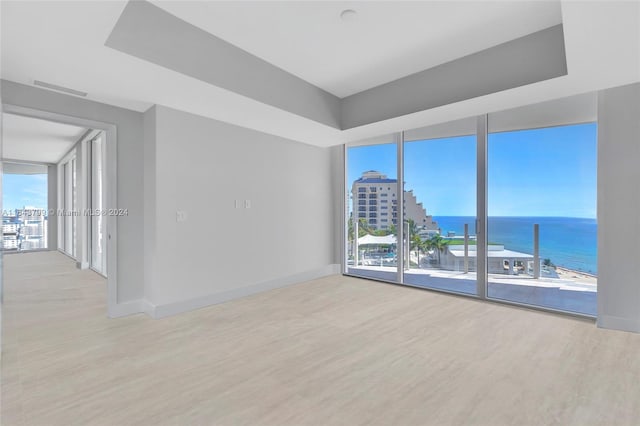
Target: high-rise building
x,y
9,233
32,228
375,200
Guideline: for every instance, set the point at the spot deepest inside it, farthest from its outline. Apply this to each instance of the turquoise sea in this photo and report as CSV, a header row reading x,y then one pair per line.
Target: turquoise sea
x,y
569,242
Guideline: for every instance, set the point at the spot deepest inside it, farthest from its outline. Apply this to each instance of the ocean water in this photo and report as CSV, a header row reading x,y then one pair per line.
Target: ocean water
x,y
569,242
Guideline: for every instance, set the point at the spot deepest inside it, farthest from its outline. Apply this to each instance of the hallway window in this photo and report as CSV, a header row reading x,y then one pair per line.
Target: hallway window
x,y
67,198
97,200
25,207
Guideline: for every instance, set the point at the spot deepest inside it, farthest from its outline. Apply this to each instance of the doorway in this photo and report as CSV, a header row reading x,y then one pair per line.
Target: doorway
x,y
81,189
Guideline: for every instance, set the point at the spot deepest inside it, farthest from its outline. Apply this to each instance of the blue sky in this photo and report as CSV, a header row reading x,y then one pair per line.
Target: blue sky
x,y
539,172
24,190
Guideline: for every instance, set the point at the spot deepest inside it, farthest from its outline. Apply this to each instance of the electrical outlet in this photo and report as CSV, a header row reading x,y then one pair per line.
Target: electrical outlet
x,y
181,216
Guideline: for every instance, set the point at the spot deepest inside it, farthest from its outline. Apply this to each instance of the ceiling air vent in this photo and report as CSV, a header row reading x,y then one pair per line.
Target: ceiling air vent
x,y
59,88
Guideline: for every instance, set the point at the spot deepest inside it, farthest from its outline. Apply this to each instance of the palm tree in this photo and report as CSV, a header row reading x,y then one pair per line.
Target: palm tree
x,y
381,232
363,228
439,244
427,245
413,228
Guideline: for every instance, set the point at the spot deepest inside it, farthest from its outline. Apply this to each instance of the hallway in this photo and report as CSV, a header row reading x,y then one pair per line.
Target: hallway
x,y
50,307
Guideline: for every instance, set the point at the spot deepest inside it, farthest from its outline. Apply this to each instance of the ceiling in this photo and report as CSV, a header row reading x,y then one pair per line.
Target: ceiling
x,y
64,43
31,139
386,40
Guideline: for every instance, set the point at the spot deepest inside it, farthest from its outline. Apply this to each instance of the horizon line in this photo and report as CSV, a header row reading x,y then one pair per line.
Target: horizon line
x,y
518,216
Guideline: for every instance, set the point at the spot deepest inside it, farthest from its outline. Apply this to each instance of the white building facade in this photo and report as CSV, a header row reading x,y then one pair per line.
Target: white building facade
x,y
375,200
32,233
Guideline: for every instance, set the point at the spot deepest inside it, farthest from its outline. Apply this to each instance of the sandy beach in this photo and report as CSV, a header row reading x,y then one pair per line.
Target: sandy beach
x,y
570,274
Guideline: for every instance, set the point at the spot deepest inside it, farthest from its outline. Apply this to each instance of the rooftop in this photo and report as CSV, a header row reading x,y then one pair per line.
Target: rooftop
x,y
375,180
374,176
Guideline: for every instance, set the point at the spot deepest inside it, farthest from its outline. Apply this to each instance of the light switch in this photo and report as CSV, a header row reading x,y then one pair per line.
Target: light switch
x,y
247,204
237,204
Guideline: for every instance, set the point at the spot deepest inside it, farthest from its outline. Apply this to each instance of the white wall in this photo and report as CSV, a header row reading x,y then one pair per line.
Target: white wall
x,y
338,186
220,252
618,208
130,171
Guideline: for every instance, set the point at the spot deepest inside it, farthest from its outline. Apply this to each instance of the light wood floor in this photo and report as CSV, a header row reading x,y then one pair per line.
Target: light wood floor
x,y
334,351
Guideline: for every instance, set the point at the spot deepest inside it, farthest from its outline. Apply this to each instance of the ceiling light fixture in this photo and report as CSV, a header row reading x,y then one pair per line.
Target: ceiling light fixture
x,y
59,88
348,15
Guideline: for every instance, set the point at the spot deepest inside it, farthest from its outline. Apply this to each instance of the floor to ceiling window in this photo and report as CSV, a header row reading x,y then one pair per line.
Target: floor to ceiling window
x,y
372,211
67,199
501,206
542,217
25,217
97,225
440,207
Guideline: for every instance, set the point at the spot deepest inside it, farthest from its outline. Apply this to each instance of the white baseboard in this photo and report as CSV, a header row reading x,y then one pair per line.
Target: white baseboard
x,y
126,308
161,311
619,323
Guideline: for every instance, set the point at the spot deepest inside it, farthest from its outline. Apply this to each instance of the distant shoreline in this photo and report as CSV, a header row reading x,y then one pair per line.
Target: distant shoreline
x,y
570,242
572,274
517,217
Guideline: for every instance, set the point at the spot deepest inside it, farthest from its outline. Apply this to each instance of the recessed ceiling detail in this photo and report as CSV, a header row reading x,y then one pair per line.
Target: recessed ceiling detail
x,y
388,40
148,32
530,59
152,34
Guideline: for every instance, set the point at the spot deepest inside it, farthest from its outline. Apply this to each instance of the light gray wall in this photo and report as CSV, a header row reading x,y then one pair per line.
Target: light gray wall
x,y
52,201
201,167
618,207
130,171
337,185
